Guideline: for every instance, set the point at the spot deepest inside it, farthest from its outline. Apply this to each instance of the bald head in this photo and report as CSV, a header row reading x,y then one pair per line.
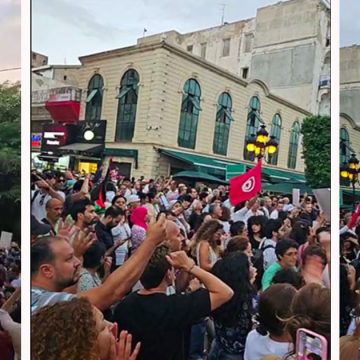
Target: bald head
x,y
174,237
54,209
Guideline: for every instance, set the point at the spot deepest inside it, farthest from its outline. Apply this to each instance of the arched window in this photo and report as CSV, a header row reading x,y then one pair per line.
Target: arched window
x,y
222,126
294,144
190,109
344,146
128,98
252,125
276,132
94,98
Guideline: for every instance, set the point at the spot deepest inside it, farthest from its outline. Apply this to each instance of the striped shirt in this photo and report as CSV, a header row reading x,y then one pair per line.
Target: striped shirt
x,y
41,297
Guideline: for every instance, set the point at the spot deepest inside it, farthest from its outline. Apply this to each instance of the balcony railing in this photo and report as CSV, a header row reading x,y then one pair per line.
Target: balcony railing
x,y
66,93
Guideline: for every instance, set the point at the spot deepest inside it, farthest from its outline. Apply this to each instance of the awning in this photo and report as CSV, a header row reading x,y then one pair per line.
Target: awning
x,y
48,157
198,160
271,175
287,188
198,175
64,111
234,168
277,175
82,147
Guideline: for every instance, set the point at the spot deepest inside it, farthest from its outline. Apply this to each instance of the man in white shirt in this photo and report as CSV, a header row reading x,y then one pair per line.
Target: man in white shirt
x,y
279,207
251,209
44,191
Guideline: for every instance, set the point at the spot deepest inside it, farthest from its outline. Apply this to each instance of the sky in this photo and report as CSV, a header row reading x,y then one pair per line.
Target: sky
x,y
349,22
67,29
10,39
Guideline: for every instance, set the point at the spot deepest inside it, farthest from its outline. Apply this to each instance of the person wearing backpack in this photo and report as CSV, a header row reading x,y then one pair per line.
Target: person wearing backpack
x,y
264,256
272,236
286,252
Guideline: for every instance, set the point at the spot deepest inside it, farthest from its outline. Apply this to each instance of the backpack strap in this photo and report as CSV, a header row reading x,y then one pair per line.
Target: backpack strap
x,y
36,193
268,247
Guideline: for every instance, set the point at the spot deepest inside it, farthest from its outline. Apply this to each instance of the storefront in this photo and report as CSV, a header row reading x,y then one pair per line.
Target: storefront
x,y
75,146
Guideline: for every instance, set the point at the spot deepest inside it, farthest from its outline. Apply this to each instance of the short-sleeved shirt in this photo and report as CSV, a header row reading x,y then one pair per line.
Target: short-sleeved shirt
x,y
88,281
104,235
269,274
257,346
38,203
159,321
138,235
269,253
41,297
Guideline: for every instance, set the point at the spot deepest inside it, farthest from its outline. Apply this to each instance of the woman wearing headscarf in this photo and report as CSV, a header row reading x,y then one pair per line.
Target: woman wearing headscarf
x,y
139,219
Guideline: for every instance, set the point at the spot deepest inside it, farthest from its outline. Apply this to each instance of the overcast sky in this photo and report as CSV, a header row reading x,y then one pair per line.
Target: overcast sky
x,y
349,22
10,34
67,29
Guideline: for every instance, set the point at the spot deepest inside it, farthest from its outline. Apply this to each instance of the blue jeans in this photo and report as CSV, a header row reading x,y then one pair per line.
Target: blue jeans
x,y
197,341
217,353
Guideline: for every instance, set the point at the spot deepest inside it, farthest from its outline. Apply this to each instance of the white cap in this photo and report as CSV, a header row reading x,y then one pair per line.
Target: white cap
x,y
132,198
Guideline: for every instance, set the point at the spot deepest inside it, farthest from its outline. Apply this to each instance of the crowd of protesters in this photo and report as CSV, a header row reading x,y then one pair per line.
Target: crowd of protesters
x,y
153,269
349,283
10,309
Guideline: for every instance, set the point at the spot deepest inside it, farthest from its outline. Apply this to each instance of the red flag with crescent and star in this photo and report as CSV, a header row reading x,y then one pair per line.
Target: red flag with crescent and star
x,y
245,186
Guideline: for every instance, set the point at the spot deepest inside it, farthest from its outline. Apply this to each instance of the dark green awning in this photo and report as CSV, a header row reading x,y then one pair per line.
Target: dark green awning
x,y
287,188
198,175
198,160
230,168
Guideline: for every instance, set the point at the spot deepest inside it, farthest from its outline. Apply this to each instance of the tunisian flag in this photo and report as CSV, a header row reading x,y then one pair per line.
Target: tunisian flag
x,y
246,186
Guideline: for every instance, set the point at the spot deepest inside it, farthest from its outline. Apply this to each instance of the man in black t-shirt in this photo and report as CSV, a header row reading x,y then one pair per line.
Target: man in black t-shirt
x,y
158,321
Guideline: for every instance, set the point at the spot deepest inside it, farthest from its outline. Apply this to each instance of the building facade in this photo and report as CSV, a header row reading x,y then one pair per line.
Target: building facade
x,y
349,111
163,104
287,46
38,59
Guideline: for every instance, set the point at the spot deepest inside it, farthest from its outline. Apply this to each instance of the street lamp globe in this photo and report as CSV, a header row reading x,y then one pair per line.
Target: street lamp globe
x,y
251,143
354,162
272,145
262,135
344,171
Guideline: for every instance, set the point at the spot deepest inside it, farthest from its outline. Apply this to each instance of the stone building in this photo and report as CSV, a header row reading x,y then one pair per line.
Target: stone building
x,y
349,109
190,101
287,46
168,110
38,59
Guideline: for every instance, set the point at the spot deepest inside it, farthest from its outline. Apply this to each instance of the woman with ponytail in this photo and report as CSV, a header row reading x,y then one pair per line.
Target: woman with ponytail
x,y
270,337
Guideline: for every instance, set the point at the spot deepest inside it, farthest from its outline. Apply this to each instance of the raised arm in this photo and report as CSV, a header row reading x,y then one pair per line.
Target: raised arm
x,y
120,282
219,292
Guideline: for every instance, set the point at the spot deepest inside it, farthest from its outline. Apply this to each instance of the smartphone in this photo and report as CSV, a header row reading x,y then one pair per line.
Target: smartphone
x,y
164,201
310,345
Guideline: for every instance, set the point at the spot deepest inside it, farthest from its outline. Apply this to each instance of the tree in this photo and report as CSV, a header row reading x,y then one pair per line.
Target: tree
x,y
10,158
316,131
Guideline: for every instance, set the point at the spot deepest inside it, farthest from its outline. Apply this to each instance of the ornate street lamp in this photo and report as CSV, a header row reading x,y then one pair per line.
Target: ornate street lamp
x,y
350,171
261,144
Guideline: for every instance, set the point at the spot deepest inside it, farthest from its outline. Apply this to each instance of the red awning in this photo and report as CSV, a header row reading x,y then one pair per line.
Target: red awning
x,y
64,111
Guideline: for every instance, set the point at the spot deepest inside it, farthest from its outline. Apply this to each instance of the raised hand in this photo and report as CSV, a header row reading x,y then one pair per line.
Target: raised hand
x,y
82,242
157,232
65,230
179,260
121,350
